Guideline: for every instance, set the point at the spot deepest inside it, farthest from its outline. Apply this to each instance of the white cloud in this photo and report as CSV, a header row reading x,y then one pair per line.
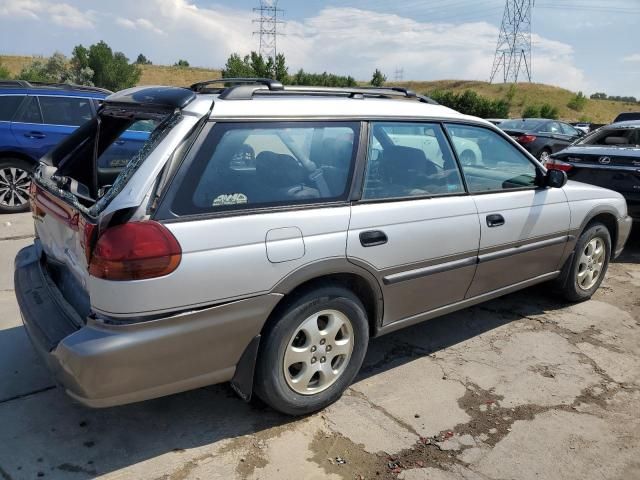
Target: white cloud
x,y
632,58
142,23
61,14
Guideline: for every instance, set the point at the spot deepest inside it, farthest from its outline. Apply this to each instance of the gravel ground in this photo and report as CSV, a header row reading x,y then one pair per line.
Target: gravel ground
x,y
523,387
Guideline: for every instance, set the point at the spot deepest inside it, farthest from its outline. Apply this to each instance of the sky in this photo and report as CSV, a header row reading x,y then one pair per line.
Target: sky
x,y
587,45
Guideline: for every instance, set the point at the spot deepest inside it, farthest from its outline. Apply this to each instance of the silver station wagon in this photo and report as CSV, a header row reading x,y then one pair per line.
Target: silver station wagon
x,y
264,234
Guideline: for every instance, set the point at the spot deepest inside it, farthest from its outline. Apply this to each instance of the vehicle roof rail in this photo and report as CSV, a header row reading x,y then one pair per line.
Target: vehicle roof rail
x,y
201,87
350,92
15,83
61,86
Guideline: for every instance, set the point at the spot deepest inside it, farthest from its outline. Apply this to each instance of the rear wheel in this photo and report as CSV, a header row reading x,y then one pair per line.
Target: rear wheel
x,y
311,353
589,263
15,178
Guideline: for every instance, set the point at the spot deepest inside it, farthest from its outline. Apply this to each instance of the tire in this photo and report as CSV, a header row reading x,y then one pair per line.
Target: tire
x,y
584,276
299,388
544,155
15,178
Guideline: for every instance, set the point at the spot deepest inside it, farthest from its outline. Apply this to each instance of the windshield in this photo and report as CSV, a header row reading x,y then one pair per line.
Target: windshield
x,y
613,137
521,124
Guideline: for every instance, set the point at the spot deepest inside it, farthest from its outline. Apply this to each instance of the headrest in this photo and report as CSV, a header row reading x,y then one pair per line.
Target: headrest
x,y
403,165
279,170
616,141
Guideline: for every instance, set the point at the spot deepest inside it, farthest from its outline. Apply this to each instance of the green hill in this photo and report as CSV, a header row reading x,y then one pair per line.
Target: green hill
x,y
598,111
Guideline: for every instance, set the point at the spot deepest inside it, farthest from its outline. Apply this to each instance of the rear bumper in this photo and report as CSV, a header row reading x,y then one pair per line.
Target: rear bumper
x,y
624,229
102,365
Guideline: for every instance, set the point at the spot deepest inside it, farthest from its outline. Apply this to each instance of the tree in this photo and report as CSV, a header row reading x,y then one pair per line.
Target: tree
x,y
470,103
548,111
577,102
281,72
378,78
599,96
259,66
237,67
142,60
181,63
4,72
110,70
531,111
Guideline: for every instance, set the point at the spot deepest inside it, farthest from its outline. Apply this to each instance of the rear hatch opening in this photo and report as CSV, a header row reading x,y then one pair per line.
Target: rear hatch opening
x,y
78,180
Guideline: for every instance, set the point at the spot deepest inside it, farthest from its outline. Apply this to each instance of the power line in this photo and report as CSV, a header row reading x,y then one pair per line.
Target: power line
x,y
267,20
513,51
398,75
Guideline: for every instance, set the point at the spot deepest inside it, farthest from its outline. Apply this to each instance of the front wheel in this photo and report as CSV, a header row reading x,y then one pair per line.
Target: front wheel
x,y
312,352
15,178
589,264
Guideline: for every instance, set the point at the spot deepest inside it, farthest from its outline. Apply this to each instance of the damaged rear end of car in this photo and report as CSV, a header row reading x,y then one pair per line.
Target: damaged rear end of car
x,y
92,199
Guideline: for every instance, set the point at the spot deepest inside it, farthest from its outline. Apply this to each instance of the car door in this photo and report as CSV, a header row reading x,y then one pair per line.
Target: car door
x,y
414,227
524,228
61,115
28,130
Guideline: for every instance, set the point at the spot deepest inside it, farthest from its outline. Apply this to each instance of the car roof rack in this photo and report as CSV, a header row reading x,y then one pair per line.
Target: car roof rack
x,y
59,86
251,83
247,88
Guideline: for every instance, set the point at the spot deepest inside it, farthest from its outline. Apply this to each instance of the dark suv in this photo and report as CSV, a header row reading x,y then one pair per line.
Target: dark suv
x,y
35,117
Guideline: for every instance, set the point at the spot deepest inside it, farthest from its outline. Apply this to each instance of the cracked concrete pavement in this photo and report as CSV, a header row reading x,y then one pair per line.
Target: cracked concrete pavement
x,y
523,387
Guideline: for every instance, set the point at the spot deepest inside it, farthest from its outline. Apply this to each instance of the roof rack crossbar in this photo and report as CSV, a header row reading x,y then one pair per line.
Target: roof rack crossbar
x,y
273,85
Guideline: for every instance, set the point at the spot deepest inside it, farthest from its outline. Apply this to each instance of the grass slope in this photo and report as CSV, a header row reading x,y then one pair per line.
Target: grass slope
x,y
598,111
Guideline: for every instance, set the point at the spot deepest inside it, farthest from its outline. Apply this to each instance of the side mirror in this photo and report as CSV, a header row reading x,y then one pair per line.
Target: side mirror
x,y
555,178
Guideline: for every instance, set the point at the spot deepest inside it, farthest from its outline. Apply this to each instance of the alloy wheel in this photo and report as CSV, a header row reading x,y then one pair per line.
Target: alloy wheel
x,y
14,187
318,352
591,263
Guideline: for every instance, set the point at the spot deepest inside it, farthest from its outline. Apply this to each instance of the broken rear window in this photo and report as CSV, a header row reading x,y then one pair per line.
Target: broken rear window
x,y
92,165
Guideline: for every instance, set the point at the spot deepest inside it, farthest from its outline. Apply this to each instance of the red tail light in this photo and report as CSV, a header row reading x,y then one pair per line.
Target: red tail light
x,y
555,164
526,139
135,251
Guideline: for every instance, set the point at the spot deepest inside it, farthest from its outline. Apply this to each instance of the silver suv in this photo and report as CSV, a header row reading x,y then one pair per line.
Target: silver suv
x,y
264,233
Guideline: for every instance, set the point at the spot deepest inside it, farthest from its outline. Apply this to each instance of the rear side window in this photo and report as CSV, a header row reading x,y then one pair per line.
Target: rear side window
x,y
8,106
252,165
65,110
410,160
30,112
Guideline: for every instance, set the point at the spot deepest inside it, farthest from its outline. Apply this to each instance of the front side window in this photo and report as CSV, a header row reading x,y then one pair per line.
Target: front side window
x,y
8,106
250,165
65,110
500,166
410,160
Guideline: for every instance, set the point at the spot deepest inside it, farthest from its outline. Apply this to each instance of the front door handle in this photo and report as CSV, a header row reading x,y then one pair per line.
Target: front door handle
x,y
35,135
371,238
495,220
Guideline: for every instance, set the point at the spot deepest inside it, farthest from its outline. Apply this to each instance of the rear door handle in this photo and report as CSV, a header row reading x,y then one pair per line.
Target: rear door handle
x,y
371,238
119,142
35,135
495,220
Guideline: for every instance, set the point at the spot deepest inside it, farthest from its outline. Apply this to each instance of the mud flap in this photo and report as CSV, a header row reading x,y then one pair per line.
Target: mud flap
x,y
242,381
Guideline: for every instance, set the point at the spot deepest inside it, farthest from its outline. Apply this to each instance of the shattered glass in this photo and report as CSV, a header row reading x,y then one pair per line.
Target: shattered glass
x,y
156,137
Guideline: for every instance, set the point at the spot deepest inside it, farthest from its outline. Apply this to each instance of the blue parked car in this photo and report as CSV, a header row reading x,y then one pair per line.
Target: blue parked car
x,y
34,117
